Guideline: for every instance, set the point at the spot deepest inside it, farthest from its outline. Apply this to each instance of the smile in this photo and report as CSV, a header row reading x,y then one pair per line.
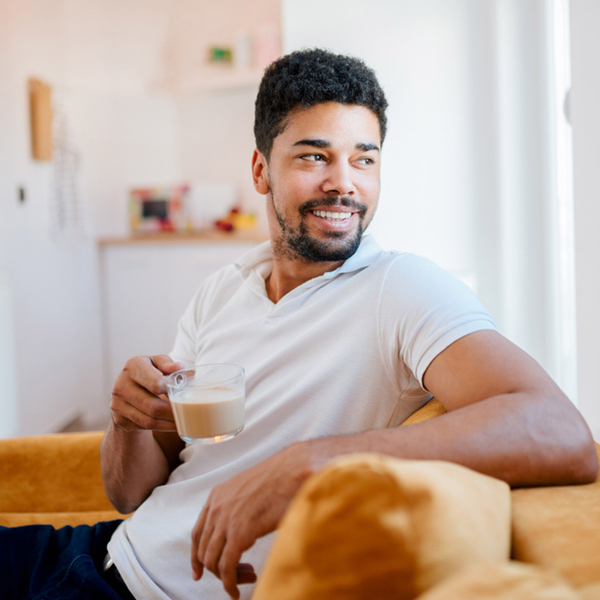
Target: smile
x,y
332,216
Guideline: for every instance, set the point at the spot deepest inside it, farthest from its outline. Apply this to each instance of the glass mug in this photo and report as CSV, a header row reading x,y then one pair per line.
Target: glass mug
x,y
208,402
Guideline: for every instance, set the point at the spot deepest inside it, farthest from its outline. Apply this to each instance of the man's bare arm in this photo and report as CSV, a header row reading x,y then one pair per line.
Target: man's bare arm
x,y
140,447
506,418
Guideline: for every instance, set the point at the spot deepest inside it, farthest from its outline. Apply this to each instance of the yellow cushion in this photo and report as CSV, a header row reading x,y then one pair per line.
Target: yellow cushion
x,y
590,592
372,526
503,581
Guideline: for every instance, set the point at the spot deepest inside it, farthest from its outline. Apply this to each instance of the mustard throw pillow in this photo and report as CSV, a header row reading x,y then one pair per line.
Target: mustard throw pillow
x,y
372,526
590,592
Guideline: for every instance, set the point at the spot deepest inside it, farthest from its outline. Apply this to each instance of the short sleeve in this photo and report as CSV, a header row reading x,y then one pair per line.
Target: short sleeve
x,y
424,309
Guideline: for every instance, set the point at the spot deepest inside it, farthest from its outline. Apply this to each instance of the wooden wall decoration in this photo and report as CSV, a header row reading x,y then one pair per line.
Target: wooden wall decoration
x,y
40,111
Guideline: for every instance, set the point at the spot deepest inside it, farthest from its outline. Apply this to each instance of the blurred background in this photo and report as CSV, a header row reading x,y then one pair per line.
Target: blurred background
x,y
125,146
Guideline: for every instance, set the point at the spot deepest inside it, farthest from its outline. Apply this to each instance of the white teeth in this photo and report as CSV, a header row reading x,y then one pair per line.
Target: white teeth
x,y
332,216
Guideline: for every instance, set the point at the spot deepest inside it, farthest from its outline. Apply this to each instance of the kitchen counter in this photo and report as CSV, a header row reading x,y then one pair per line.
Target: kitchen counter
x,y
208,236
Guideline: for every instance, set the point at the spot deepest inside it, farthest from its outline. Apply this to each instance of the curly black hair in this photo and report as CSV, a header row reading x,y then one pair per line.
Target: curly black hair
x,y
308,77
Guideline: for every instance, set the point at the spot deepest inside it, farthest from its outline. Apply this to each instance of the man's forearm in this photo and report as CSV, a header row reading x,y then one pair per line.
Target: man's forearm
x,y
133,464
518,438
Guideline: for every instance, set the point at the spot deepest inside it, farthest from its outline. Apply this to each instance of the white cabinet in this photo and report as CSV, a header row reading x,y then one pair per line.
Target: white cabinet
x,y
146,287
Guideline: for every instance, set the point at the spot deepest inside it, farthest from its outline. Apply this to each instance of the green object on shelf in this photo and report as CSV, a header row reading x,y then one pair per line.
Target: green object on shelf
x,y
220,54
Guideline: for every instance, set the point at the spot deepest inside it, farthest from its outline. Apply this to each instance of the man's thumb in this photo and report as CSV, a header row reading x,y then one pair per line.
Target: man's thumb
x,y
165,364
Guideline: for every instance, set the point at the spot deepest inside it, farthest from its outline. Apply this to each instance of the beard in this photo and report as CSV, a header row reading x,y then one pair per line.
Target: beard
x,y
296,242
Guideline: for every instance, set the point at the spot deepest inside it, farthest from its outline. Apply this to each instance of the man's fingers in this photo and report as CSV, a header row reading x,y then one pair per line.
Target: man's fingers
x,y
137,405
228,569
212,555
139,399
165,364
197,565
211,551
130,419
150,371
245,573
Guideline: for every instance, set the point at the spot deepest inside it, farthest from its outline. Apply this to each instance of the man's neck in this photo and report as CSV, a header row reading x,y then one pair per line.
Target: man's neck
x,y
288,274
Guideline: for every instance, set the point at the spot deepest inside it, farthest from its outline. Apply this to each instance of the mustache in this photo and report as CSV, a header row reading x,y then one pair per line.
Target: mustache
x,y
346,201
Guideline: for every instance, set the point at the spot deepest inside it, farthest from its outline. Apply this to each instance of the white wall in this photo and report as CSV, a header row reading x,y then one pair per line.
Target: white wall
x,y
422,59
468,148
217,142
466,178
8,406
100,57
112,55
585,117
216,125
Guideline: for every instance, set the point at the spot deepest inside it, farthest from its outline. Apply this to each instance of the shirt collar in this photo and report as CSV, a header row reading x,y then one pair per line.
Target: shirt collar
x,y
260,259
366,254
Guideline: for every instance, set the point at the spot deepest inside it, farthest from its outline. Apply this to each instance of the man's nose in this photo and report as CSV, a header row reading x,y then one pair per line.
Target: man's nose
x,y
338,180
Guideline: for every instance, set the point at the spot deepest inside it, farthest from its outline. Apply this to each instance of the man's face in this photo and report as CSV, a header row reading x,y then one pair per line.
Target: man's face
x,y
322,182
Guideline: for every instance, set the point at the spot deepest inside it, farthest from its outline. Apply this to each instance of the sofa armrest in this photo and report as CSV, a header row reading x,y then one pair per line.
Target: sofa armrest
x,y
556,527
52,473
559,527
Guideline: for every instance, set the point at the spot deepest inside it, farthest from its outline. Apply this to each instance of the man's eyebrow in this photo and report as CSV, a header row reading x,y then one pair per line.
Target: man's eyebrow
x,y
318,143
314,143
367,147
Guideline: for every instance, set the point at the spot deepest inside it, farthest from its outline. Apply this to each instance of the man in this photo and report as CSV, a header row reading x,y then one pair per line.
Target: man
x,y
340,342
301,317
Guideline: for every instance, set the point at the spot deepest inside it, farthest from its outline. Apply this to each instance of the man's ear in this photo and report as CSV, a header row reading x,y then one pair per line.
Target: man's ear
x,y
259,172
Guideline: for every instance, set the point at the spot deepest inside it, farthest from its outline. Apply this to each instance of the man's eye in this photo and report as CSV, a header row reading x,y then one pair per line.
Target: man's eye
x,y
313,157
366,161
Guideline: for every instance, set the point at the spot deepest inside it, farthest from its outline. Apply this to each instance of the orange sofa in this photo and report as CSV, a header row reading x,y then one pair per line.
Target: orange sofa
x,y
56,479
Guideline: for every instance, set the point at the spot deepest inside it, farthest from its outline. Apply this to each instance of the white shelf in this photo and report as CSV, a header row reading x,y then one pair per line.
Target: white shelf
x,y
212,80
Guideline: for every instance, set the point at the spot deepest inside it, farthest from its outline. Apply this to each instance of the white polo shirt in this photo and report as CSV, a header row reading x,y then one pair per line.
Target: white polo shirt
x,y
342,353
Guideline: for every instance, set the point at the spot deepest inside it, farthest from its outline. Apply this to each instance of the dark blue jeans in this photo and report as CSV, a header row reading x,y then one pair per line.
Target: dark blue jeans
x,y
38,562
